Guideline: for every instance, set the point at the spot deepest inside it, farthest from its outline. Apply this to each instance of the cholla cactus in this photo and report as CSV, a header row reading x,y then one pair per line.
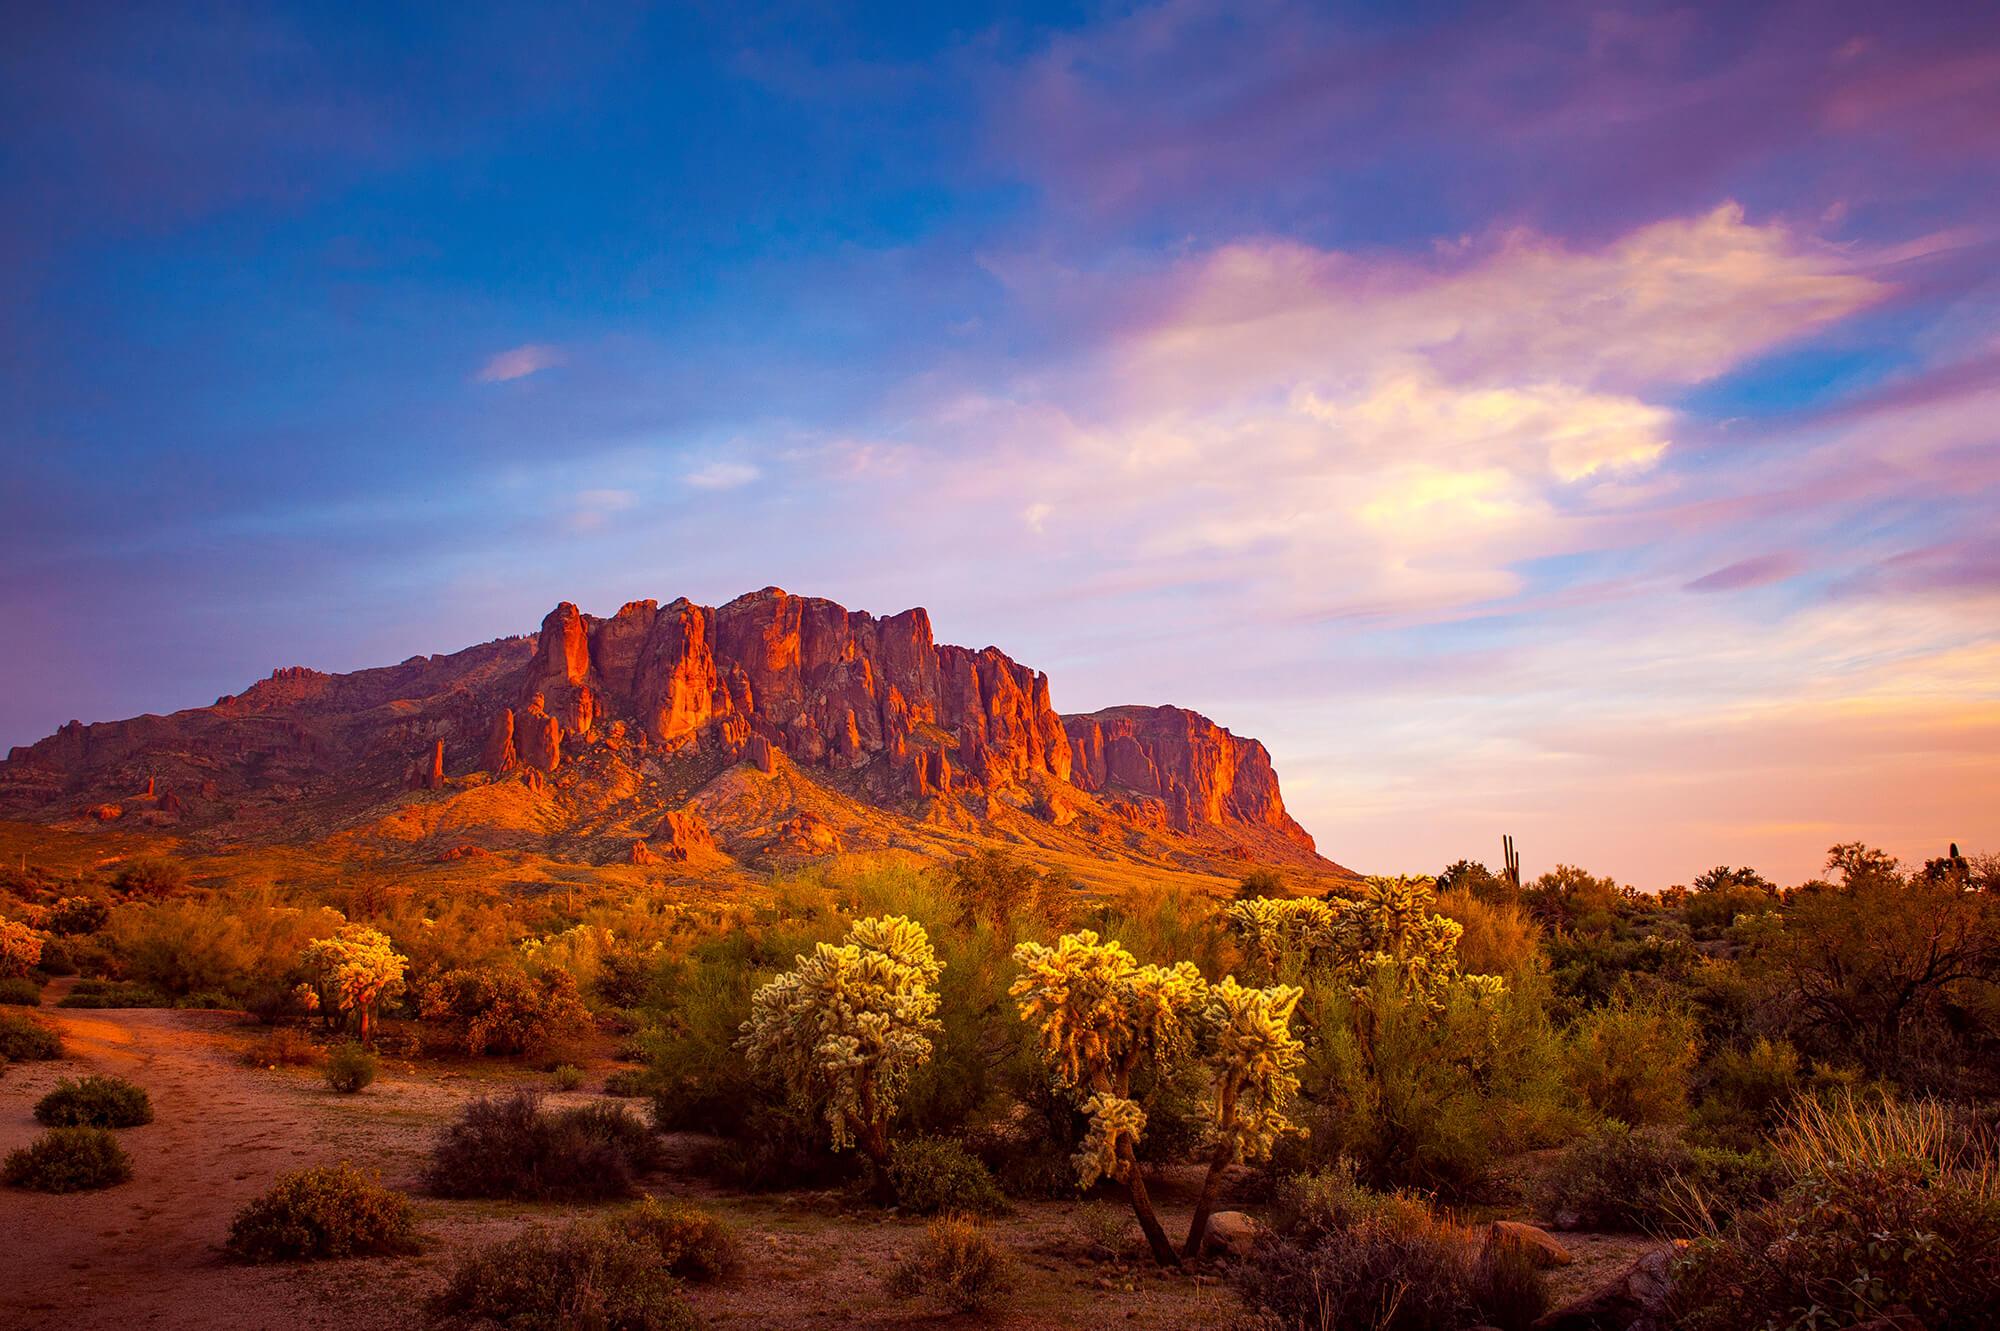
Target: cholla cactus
x,y
20,948
354,973
1248,1044
845,1029
1393,927
1098,1013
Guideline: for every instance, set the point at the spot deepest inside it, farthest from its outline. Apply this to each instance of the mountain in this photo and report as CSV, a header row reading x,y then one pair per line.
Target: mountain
x,y
771,728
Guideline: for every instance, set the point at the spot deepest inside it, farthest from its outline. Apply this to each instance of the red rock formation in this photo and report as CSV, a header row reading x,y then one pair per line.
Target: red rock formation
x,y
434,778
642,854
1201,773
498,754
682,834
656,695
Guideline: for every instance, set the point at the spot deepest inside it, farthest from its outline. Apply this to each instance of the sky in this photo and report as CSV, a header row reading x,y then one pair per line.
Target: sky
x,y
1572,421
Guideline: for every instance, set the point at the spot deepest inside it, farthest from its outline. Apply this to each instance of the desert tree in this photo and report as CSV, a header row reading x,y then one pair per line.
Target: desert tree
x,y
845,1028
351,975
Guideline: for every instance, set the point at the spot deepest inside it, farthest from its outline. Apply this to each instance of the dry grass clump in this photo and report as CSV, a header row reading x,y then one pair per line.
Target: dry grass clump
x,y
1891,1206
284,1047
958,1264
693,1244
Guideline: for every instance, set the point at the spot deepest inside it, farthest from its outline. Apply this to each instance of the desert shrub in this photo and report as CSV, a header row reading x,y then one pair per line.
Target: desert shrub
x,y
1890,1206
1308,1206
1498,938
1631,1063
1506,1287
60,957
94,1102
1008,895
153,876
112,994
566,1076
502,1010
629,1083
350,1068
1036,1171
24,1040
693,1244
1101,1231
1428,1096
958,1264
1747,1092
20,991
776,1150
68,1160
328,1211
78,915
284,1047
1393,1268
20,949
588,1277
239,944
1647,1179
932,1176
511,1148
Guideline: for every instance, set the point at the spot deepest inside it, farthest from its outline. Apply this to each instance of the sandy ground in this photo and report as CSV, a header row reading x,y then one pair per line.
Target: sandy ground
x,y
147,1253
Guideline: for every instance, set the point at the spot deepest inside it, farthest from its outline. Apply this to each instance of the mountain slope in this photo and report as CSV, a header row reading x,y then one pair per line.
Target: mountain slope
x,y
770,728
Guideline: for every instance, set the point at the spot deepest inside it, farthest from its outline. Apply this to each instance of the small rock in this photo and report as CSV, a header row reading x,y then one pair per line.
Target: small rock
x,y
1633,1298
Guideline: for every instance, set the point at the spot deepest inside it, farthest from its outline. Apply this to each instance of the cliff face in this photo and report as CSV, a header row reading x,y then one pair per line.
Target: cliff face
x,y
874,706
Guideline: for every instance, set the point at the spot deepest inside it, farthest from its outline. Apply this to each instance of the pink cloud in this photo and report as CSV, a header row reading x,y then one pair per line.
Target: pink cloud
x,y
519,362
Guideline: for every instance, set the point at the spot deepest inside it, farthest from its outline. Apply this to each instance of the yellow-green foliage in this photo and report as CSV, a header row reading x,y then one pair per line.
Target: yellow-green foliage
x,y
845,1029
20,949
1097,1013
1393,927
1255,1059
214,944
1632,1063
354,972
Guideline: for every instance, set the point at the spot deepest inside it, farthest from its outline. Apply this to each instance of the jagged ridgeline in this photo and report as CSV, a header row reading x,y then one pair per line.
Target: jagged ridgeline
x,y
772,726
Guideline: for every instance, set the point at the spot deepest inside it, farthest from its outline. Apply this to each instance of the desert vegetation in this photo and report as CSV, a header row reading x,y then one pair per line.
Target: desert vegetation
x,y
1325,1097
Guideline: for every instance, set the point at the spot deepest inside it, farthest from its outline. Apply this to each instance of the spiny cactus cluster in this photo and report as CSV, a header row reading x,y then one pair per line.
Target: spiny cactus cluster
x,y
844,1030
353,974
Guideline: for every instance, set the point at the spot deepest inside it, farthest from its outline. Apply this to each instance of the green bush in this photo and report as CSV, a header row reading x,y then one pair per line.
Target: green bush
x,y
566,1076
20,991
932,1176
349,1068
629,1083
510,1148
24,1040
1747,1093
113,994
958,1264
154,876
693,1244
586,1276
68,1160
58,957
78,915
501,1010
1648,1180
329,1211
1849,1243
1631,1063
94,1102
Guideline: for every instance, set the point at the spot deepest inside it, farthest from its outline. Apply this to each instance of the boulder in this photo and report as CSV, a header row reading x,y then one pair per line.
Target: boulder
x,y
1230,1232
1541,1249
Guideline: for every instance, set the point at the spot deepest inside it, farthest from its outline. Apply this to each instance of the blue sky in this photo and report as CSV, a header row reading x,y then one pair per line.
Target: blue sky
x,y
1565,420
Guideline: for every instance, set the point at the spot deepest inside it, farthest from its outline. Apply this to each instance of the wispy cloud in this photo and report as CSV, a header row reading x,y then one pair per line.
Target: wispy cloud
x,y
519,362
722,474
1759,571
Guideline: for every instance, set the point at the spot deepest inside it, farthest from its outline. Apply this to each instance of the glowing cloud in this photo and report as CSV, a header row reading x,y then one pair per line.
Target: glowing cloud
x,y
519,362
